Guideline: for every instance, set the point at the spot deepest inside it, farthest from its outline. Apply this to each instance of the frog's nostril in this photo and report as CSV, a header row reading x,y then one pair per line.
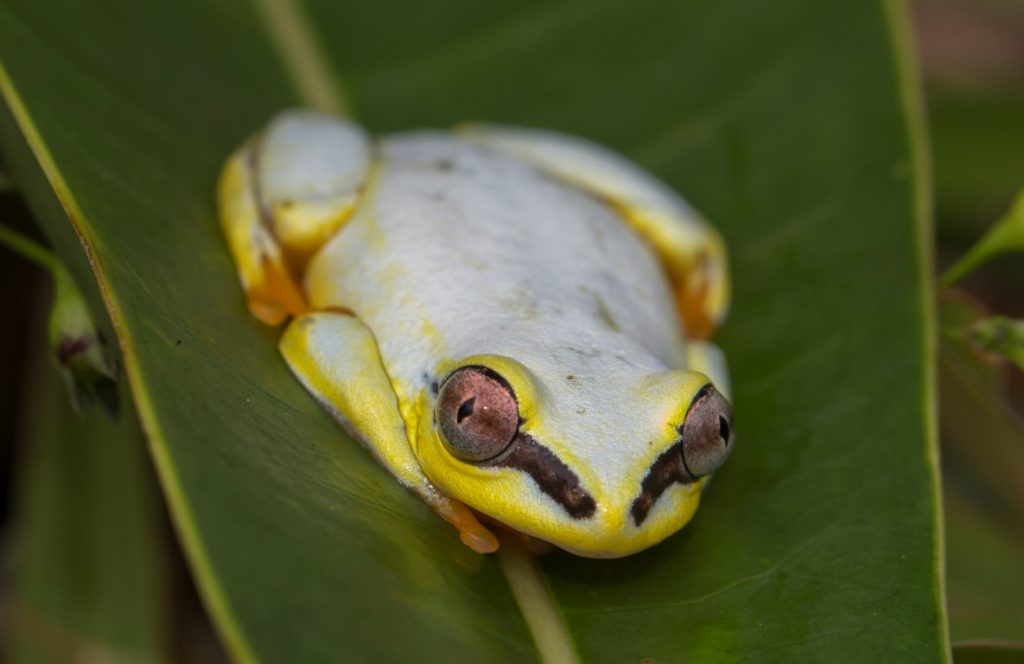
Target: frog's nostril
x,y
723,429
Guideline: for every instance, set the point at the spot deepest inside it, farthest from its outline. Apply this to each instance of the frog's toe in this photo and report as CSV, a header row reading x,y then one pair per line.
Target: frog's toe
x,y
275,297
472,533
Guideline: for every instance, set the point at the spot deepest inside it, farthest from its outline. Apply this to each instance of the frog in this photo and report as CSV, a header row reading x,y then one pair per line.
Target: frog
x,y
516,323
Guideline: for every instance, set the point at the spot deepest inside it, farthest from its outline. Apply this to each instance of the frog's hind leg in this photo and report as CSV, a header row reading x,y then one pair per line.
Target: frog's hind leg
x,y
691,250
336,358
281,196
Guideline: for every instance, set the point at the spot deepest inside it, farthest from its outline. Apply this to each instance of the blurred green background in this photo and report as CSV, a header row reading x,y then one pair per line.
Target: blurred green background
x,y
972,57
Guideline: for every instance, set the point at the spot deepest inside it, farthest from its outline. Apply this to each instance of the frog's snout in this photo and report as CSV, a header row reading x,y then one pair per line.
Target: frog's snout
x,y
707,436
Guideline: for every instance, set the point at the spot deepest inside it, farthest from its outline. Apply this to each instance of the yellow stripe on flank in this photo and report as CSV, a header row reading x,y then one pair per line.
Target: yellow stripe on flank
x,y
534,598
308,68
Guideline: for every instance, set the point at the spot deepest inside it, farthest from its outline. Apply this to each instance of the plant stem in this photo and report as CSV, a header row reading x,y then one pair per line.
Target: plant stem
x,y
28,248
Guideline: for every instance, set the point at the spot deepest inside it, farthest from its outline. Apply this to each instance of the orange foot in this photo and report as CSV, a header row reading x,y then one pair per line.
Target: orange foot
x,y
277,296
471,531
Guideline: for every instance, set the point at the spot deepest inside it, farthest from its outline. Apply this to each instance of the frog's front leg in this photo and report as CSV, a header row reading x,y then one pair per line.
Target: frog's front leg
x,y
691,250
281,196
336,358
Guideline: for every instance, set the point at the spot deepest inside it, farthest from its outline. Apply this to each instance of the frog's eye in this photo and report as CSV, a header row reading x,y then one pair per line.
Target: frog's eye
x,y
708,433
477,413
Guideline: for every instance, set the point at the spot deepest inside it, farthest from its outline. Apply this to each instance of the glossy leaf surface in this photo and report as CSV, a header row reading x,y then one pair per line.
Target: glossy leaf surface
x,y
791,126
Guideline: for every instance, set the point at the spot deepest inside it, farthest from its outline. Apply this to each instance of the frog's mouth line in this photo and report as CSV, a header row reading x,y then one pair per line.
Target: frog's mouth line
x,y
549,472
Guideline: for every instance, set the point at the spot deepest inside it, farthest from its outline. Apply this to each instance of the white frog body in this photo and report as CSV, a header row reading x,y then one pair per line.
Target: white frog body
x,y
496,315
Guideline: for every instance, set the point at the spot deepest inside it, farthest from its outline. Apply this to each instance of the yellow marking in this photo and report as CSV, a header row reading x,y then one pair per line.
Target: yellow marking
x,y
428,330
697,269
691,251
270,289
277,297
531,397
513,497
303,57
319,287
676,390
239,216
304,227
520,378
534,598
360,391
358,388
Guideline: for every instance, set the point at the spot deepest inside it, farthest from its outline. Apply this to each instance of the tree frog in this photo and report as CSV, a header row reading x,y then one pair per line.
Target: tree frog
x,y
514,322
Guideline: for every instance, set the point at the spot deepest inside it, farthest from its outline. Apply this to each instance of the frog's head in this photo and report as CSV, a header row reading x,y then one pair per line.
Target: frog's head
x,y
599,472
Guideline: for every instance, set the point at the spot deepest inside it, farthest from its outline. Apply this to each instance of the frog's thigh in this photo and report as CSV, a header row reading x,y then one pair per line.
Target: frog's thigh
x,y
335,357
707,358
312,168
281,196
270,289
692,251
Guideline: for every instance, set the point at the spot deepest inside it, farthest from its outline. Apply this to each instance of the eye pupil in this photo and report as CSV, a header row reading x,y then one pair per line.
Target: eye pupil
x,y
465,410
723,429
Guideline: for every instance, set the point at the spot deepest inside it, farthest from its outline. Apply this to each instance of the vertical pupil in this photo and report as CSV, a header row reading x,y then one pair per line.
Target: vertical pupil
x,y
465,410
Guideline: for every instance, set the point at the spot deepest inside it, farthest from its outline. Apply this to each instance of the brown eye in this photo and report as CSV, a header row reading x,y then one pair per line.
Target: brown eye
x,y
709,433
477,414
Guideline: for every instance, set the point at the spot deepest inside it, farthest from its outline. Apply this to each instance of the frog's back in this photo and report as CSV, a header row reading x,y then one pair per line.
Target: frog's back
x,y
458,250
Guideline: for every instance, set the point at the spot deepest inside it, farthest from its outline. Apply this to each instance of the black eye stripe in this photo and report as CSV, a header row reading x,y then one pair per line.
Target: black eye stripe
x,y
550,473
666,470
696,453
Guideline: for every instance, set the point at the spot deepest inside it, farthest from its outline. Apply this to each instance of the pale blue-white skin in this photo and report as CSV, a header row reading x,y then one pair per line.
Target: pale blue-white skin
x,y
499,258
498,243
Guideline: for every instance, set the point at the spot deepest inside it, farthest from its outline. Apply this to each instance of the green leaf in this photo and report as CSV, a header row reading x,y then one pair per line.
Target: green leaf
x,y
88,553
795,127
